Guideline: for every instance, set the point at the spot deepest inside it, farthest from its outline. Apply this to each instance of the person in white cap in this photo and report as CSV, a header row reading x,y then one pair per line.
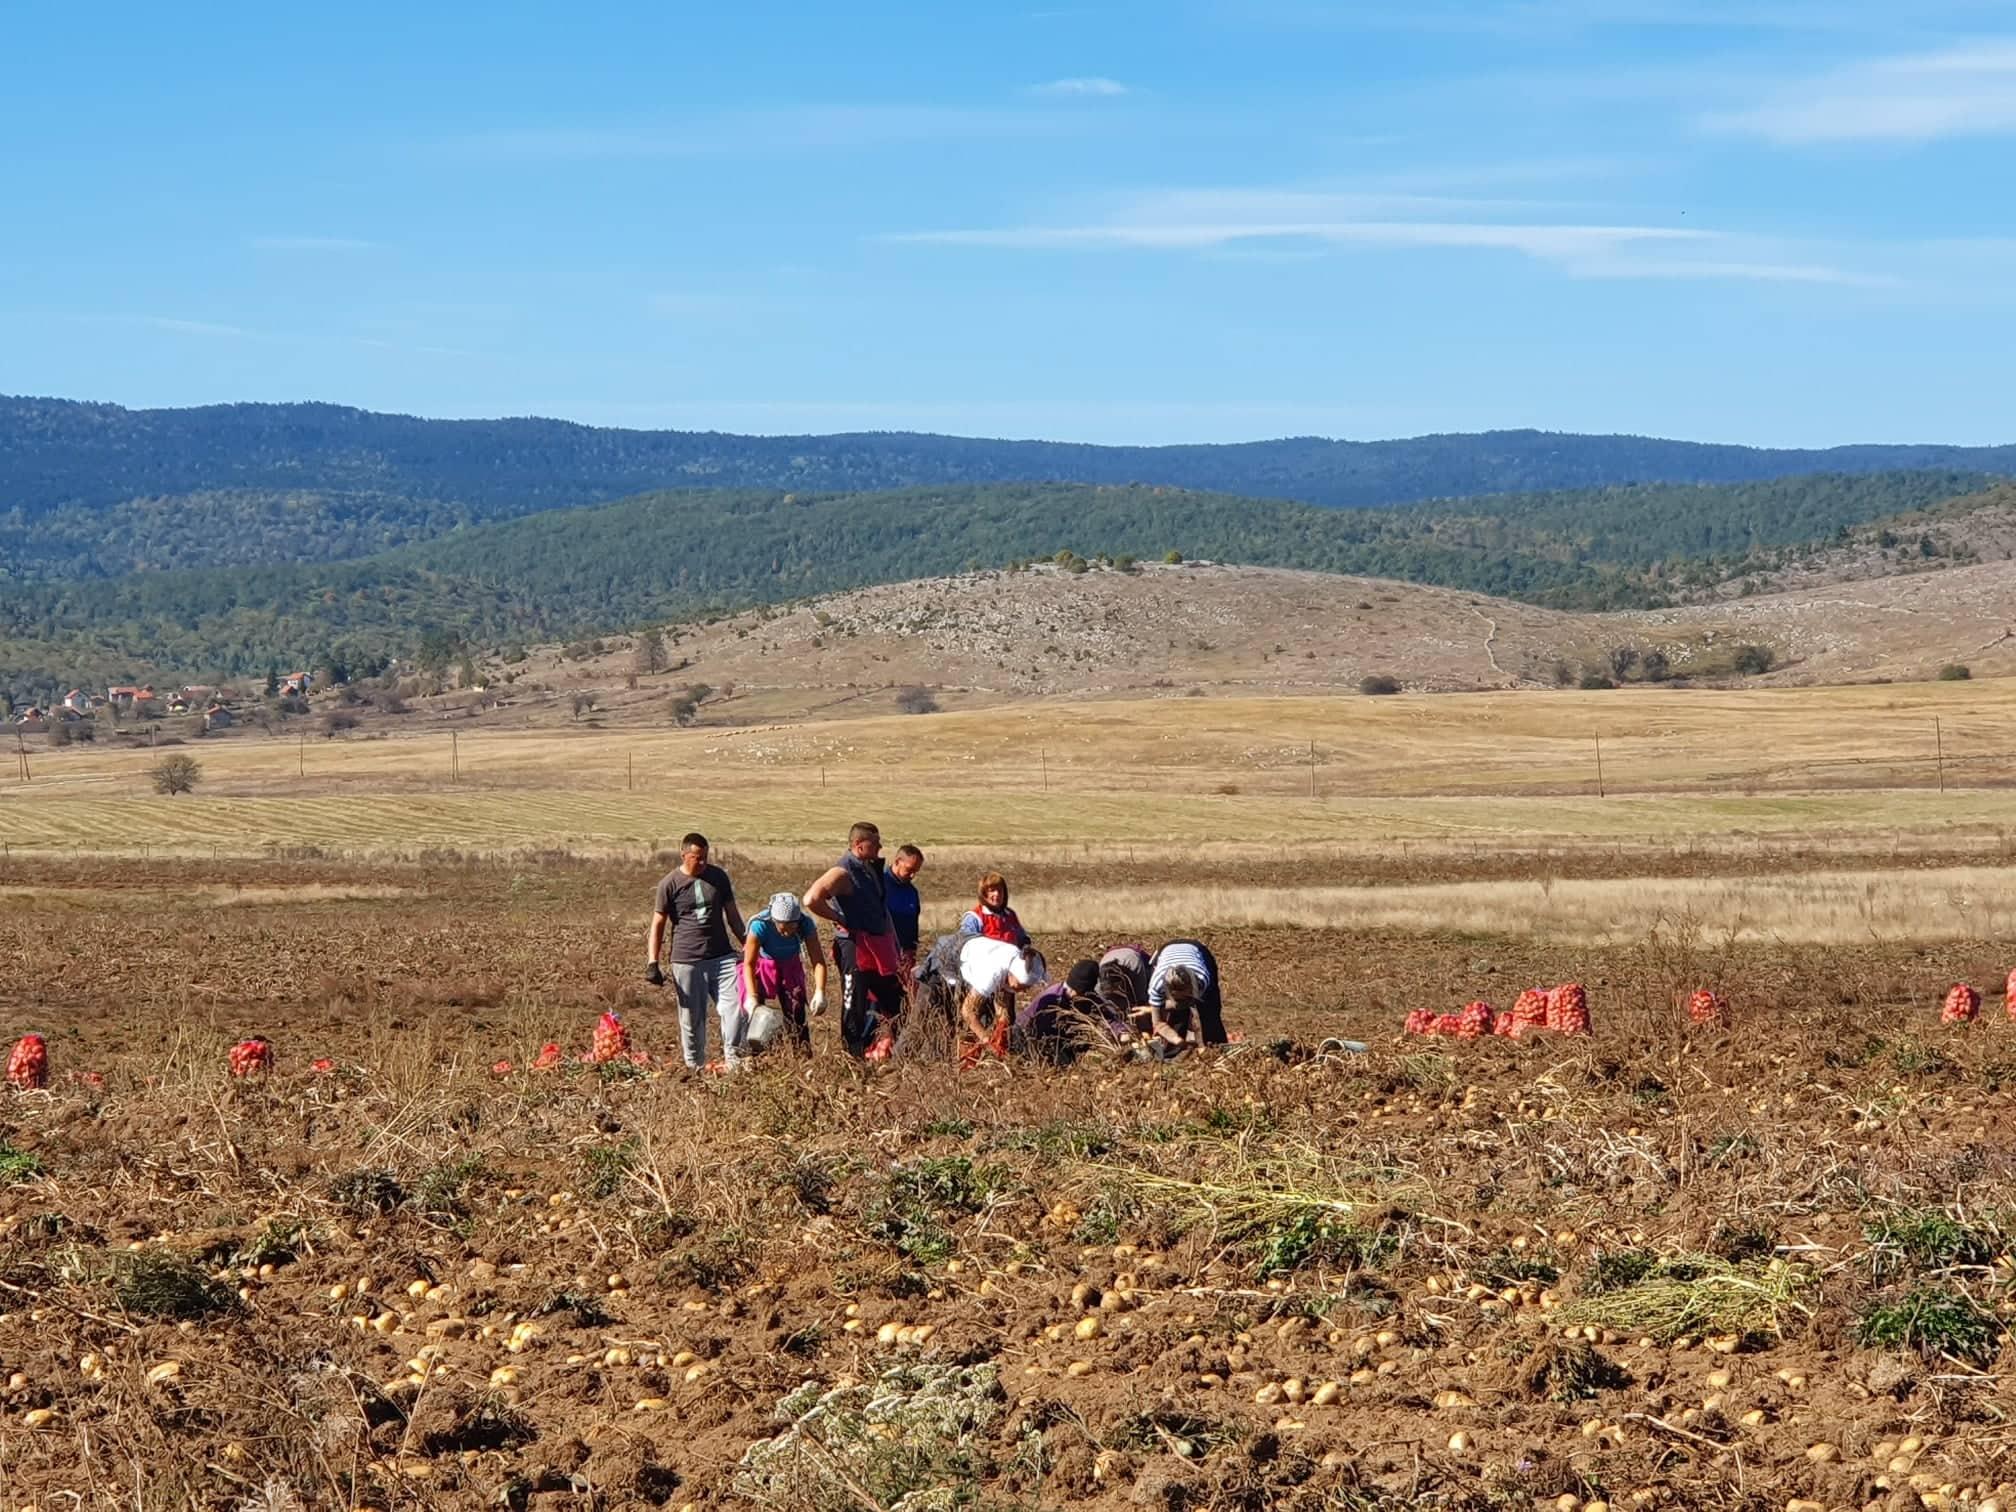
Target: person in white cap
x,y
992,972
773,965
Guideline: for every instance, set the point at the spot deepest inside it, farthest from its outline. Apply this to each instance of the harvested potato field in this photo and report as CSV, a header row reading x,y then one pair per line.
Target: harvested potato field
x,y
1762,1261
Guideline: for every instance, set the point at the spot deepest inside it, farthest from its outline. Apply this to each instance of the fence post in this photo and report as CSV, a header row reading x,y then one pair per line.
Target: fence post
x,y
1939,751
1599,765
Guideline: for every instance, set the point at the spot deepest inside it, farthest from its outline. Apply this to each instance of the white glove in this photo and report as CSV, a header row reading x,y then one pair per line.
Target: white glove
x,y
818,1004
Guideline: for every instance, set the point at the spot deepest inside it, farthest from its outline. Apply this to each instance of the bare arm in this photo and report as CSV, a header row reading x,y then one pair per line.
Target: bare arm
x,y
820,895
749,948
817,954
969,1014
734,915
654,937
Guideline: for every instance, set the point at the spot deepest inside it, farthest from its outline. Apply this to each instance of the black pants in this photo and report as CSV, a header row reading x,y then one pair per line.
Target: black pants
x,y
870,1001
1211,1007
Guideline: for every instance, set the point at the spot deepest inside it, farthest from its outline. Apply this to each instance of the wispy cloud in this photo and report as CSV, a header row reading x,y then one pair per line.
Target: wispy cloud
x,y
313,244
182,327
1082,89
803,128
1211,220
1958,92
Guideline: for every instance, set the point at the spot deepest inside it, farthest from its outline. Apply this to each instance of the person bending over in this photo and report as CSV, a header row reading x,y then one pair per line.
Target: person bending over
x,y
1185,1002
991,972
773,966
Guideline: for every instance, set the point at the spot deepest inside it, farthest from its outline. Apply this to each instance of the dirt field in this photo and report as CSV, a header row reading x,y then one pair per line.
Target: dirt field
x,y
1284,1277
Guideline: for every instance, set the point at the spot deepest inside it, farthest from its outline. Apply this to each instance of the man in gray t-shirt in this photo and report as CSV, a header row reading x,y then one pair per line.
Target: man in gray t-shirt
x,y
697,901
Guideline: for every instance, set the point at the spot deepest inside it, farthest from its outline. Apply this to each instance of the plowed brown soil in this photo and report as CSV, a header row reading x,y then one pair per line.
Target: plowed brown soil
x,y
437,1284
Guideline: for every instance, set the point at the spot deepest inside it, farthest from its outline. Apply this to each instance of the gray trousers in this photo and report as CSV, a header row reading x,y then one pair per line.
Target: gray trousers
x,y
715,984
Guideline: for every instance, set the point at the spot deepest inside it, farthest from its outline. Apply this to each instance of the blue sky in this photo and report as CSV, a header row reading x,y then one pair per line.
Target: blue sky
x,y
1782,221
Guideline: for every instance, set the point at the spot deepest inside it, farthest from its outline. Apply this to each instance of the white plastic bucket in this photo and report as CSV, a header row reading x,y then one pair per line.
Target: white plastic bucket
x,y
765,1025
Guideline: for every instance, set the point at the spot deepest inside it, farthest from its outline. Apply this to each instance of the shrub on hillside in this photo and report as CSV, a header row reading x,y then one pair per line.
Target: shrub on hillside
x,y
1594,680
917,700
1378,684
1954,672
1753,660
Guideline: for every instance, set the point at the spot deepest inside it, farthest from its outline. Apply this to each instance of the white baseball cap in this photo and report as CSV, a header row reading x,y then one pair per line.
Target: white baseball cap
x,y
784,908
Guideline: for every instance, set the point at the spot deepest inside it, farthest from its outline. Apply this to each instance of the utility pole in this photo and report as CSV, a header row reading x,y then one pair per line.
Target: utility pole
x,y
1599,766
1312,769
301,758
454,755
1043,755
1939,751
629,771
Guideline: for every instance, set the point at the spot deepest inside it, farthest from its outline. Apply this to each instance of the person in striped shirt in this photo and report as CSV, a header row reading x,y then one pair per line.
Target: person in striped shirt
x,y
1186,1005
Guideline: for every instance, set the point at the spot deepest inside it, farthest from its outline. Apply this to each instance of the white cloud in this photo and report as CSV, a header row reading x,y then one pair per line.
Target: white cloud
x,y
1957,92
312,244
1289,221
1083,89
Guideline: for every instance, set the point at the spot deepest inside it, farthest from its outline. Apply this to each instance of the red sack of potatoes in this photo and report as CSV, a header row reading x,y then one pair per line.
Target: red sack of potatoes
x,y
1475,1021
1568,1009
28,1066
549,1057
1529,1012
1448,1025
612,1040
2009,997
1421,1021
249,1057
1505,1026
1962,1005
1706,1008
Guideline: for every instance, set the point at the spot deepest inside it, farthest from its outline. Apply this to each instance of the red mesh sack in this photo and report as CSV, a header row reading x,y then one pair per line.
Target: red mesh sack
x,y
1421,1021
2009,997
1529,1012
549,1057
1962,1005
249,1057
612,1040
1448,1025
1568,1009
1505,1026
1706,1008
1475,1021
28,1066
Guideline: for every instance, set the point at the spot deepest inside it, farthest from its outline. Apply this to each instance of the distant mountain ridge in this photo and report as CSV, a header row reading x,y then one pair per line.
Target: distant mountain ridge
x,y
680,555
57,454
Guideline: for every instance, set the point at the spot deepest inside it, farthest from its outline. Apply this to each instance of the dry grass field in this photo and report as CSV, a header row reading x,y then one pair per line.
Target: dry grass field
x,y
1765,1264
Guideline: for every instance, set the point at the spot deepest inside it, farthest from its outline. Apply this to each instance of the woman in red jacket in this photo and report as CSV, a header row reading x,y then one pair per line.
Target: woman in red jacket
x,y
991,918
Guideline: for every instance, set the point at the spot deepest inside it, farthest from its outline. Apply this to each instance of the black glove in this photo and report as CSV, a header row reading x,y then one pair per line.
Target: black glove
x,y
654,975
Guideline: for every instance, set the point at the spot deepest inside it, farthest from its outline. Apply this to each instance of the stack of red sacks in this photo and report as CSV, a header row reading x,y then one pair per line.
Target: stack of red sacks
x,y
1565,1010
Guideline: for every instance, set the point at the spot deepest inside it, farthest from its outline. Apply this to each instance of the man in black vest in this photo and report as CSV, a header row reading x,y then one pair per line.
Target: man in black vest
x,y
851,896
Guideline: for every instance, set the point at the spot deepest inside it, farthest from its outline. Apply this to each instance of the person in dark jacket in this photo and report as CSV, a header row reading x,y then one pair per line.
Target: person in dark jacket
x,y
852,894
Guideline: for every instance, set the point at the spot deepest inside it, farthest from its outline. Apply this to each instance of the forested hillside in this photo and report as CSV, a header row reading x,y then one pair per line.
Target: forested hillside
x,y
661,556
95,490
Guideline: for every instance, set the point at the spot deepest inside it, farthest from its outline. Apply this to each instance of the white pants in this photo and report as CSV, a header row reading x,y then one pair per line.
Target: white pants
x,y
715,984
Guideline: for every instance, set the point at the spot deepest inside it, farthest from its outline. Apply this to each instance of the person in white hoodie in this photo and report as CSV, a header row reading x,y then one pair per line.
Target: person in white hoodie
x,y
991,972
